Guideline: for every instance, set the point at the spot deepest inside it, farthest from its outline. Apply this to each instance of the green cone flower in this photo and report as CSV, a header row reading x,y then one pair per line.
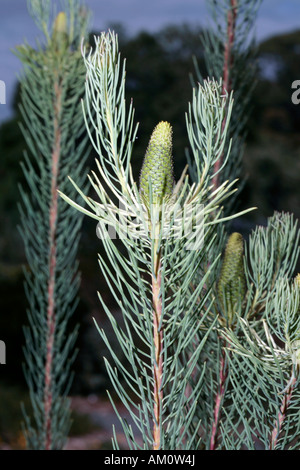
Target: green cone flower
x,y
297,286
60,30
231,288
158,166
295,345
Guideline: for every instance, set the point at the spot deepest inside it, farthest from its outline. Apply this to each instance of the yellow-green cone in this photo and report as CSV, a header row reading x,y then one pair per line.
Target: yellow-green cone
x,y
296,344
60,30
297,287
158,166
231,287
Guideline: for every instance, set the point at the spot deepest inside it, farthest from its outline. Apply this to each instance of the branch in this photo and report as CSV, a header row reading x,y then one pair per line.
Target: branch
x,y
51,323
287,396
158,338
226,82
223,374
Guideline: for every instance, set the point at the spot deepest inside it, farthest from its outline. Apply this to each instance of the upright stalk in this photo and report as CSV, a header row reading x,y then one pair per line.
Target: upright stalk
x,y
223,373
53,127
158,347
286,399
52,268
231,24
226,88
226,82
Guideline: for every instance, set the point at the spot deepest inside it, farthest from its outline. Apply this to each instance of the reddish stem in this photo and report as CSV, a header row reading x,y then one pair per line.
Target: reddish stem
x,y
226,86
287,396
223,373
158,363
231,24
52,267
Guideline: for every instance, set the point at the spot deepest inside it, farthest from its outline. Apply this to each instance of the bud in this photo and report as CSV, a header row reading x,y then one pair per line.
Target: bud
x,y
231,288
297,287
295,345
60,30
158,166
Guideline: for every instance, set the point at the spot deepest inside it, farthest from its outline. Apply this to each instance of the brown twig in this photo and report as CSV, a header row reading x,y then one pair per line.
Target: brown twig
x,y
223,373
226,82
287,396
158,365
52,267
226,88
158,346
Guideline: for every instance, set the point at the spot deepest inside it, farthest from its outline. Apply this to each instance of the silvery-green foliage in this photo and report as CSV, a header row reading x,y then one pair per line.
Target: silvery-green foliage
x,y
255,359
41,12
239,66
265,374
250,391
262,401
163,229
52,84
278,245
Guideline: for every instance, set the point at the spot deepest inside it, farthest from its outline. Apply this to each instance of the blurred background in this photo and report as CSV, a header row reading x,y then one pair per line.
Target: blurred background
x,y
158,39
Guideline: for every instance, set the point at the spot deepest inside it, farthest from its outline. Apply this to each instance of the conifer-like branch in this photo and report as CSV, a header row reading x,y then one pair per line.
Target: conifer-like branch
x,y
51,87
161,226
229,53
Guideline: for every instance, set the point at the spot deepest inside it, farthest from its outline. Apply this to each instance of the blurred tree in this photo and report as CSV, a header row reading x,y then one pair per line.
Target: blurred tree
x,y
272,156
279,67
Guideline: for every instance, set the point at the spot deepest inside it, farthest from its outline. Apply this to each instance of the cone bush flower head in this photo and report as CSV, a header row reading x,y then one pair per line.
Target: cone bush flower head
x,y
60,23
157,169
232,282
297,280
60,30
296,344
297,286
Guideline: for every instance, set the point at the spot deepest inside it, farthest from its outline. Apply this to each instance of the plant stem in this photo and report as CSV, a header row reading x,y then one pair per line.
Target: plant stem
x,y
223,373
226,82
158,346
287,396
51,323
226,87
231,24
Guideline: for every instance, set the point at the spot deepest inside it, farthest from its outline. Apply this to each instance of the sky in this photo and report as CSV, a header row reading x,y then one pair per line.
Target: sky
x,y
274,17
